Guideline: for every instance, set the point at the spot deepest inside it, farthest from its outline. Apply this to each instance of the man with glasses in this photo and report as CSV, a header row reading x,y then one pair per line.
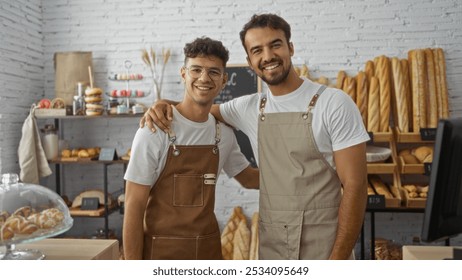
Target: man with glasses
x,y
171,177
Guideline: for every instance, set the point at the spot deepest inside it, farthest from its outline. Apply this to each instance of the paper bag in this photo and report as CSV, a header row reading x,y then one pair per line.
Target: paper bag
x,y
71,68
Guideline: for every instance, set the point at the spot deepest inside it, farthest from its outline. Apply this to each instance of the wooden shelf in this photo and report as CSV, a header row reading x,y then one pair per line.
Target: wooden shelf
x,y
409,137
100,212
86,161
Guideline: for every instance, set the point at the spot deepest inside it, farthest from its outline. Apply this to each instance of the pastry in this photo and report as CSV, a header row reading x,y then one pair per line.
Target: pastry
x,y
20,225
370,190
6,233
83,154
89,91
3,217
66,153
241,242
57,103
54,213
24,211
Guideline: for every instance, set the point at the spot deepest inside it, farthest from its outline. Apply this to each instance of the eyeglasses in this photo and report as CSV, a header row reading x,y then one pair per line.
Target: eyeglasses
x,y
196,72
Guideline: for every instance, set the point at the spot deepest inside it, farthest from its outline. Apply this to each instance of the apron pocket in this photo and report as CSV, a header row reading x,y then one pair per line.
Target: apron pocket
x,y
188,190
206,247
281,241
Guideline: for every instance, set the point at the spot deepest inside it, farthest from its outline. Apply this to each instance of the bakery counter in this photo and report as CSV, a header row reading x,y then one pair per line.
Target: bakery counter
x,y
75,249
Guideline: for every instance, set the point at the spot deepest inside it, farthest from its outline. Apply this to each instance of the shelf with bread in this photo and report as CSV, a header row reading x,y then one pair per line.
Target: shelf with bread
x,y
76,209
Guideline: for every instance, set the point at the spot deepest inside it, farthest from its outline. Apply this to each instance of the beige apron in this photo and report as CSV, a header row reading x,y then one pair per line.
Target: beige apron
x,y
299,190
179,221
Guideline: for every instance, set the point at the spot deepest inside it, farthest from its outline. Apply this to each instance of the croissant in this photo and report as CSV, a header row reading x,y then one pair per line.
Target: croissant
x,y
6,233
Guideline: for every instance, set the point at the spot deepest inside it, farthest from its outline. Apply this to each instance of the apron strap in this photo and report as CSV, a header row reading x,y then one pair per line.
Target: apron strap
x,y
172,138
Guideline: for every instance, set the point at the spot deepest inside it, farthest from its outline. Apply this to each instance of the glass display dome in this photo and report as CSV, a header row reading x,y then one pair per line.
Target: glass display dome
x,y
28,213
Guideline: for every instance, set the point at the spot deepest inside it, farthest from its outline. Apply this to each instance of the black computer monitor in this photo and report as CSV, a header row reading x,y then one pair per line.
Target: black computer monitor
x,y
443,211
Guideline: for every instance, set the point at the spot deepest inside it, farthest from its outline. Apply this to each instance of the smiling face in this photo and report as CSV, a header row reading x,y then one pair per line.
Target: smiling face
x,y
203,89
269,54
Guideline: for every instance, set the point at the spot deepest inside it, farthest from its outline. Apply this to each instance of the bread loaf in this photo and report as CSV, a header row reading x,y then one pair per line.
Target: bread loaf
x,y
443,88
419,85
370,190
241,242
407,90
349,86
410,159
379,186
432,102
369,70
340,79
373,112
323,80
422,152
401,114
227,235
382,72
77,202
253,254
361,95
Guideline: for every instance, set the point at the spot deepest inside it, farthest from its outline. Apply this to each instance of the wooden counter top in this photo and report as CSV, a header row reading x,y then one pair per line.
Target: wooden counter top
x,y
75,249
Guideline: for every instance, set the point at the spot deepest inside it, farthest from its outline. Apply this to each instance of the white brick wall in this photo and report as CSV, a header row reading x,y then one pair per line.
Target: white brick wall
x,y
327,35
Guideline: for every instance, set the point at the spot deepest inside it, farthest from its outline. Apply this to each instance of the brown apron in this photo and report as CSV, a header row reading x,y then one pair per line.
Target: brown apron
x,y
179,220
299,190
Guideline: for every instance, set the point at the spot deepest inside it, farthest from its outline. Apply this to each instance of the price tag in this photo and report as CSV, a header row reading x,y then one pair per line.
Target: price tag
x,y
90,203
375,201
427,168
108,154
428,134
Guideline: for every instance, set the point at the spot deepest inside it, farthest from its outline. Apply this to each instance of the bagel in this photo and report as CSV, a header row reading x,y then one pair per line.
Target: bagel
x,y
93,91
93,99
93,112
94,106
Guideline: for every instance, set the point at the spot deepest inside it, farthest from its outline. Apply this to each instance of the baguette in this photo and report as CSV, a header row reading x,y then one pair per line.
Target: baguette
x,y
361,95
443,88
401,113
370,189
432,102
349,86
369,70
227,235
373,112
340,79
379,186
304,71
383,74
407,90
241,242
253,254
323,80
419,90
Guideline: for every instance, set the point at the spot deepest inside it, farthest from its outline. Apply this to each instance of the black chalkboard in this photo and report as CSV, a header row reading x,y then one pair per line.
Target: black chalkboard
x,y
241,81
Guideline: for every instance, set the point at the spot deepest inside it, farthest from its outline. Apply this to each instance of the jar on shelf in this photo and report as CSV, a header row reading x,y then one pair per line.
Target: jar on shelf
x,y
50,141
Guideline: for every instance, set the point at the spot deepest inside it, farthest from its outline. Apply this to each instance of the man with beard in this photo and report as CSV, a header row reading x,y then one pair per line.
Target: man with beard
x,y
310,144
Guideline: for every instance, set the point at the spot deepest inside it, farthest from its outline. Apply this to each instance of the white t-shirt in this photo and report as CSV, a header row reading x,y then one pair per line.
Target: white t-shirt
x,y
149,150
336,123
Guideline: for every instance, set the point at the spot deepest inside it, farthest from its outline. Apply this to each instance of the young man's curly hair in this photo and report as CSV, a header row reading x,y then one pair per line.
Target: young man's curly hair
x,y
205,46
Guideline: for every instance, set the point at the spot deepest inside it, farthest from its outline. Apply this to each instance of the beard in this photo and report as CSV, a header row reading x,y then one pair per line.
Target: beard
x,y
278,79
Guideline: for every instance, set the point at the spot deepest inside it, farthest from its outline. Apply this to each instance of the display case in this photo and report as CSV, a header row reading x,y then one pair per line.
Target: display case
x,y
28,213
